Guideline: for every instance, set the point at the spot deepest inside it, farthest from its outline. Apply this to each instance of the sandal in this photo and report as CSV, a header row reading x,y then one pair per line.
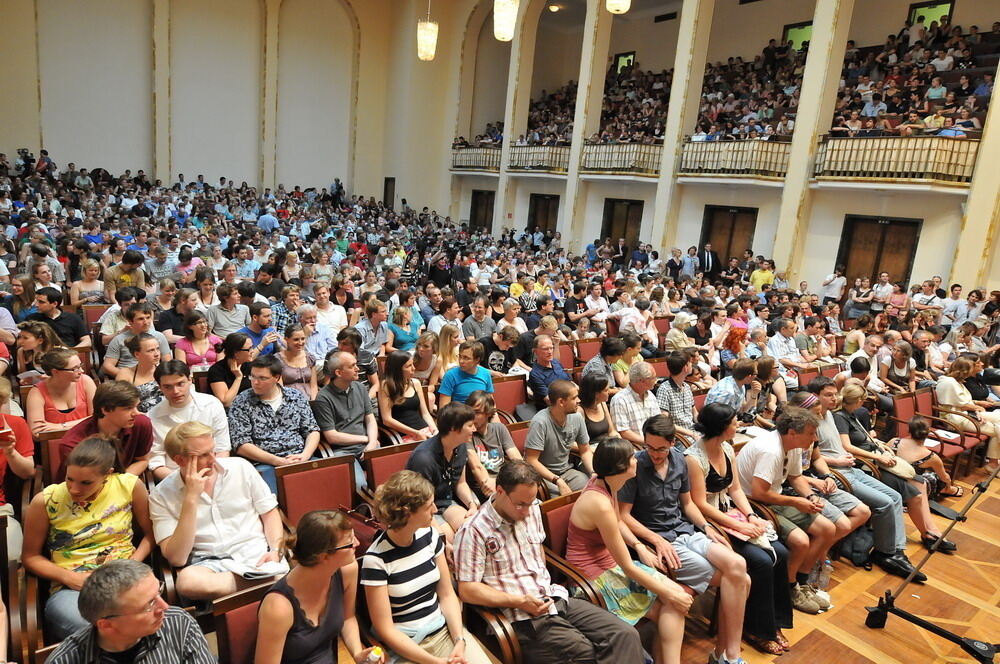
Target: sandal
x,y
782,641
957,492
768,646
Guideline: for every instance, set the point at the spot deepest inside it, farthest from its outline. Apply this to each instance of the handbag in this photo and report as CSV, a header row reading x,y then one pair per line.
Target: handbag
x,y
901,467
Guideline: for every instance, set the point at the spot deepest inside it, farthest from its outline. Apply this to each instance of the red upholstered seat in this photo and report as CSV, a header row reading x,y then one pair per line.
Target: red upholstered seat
x,y
806,375
519,432
509,393
315,485
555,517
565,354
587,349
236,624
380,464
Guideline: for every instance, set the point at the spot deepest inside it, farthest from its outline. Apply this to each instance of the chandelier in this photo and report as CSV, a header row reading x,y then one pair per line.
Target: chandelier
x,y
427,36
504,19
618,6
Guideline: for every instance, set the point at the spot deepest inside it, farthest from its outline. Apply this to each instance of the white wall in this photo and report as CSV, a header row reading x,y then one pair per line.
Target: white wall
x,y
315,92
694,198
95,61
216,61
655,44
19,121
489,96
557,57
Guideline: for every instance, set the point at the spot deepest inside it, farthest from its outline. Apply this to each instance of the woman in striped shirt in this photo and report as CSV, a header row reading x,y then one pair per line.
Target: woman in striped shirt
x,y
411,601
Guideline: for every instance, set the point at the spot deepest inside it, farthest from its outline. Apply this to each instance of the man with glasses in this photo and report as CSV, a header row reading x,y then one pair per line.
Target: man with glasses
x,y
182,404
461,381
272,425
635,404
656,506
554,431
215,517
499,563
545,370
131,622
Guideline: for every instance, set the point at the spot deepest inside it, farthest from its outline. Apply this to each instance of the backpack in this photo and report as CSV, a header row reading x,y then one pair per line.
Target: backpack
x,y
857,546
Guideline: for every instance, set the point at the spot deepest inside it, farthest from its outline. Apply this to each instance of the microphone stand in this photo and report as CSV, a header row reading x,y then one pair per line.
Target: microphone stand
x,y
982,651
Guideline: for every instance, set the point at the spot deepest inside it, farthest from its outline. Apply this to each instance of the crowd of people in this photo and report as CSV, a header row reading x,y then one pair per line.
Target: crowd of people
x,y
881,87
241,331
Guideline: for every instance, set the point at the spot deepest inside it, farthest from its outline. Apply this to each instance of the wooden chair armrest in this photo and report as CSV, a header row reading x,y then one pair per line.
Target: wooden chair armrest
x,y
871,465
34,637
764,512
493,624
389,436
17,607
844,483
964,415
165,572
560,564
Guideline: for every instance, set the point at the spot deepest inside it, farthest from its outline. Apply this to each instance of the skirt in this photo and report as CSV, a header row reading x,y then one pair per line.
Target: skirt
x,y
624,597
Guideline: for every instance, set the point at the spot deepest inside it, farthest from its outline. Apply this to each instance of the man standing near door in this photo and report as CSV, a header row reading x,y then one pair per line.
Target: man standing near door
x,y
709,262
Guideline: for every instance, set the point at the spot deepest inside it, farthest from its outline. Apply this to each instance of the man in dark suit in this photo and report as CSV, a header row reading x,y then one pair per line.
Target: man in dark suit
x,y
709,261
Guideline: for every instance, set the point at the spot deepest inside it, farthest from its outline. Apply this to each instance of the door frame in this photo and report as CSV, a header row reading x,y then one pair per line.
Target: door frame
x,y
609,206
846,239
706,232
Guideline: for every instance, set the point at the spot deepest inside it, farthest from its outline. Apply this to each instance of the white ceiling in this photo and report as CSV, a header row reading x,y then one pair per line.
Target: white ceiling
x,y
573,12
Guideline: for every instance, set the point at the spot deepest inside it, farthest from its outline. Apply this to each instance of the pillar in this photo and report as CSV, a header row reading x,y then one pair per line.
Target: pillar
x,y
586,120
515,116
269,112
161,92
682,113
820,80
977,251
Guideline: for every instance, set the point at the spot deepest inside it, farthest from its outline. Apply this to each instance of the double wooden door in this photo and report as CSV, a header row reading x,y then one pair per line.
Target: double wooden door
x,y
730,230
622,219
872,245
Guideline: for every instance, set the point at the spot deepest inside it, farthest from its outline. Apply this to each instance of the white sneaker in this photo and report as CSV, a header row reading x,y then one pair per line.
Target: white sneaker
x,y
821,596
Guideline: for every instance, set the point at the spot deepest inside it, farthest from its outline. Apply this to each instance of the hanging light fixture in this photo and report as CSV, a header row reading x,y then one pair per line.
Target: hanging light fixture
x,y
504,19
427,36
618,6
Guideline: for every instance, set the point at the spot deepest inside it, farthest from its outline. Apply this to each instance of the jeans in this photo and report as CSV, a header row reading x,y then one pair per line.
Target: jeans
x,y
360,480
886,506
62,617
769,604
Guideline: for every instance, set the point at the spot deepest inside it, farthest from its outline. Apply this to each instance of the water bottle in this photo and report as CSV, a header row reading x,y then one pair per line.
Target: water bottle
x,y
814,574
823,582
375,656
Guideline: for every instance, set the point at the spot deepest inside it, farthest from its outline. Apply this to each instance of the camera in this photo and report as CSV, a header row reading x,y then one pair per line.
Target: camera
x,y
747,417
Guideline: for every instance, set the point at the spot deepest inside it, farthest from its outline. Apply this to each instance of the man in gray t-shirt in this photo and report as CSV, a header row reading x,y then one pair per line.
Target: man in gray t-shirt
x,y
551,436
140,320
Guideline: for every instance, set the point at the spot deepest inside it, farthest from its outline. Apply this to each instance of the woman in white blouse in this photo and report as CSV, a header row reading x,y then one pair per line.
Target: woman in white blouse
x,y
953,395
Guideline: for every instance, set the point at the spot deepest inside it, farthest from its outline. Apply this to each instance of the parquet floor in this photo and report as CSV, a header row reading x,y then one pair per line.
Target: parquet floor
x,y
962,594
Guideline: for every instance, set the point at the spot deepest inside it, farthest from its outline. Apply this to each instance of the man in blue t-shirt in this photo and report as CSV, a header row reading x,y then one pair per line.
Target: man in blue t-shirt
x,y
264,337
461,381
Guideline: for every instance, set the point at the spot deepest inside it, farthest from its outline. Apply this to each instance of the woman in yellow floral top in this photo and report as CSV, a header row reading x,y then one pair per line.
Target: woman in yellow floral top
x,y
74,527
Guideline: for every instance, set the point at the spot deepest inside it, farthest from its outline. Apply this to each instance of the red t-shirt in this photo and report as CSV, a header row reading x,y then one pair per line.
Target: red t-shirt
x,y
133,443
23,443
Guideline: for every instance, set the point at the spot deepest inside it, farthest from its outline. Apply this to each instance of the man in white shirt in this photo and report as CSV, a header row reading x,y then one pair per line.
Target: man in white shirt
x,y
333,315
927,298
881,292
216,518
833,286
785,351
951,305
182,404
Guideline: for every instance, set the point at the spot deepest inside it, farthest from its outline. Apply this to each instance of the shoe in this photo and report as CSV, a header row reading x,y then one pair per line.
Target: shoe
x,y
946,546
803,600
822,598
897,564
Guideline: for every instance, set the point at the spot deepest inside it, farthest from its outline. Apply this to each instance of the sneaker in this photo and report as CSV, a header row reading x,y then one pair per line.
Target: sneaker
x,y
803,600
822,598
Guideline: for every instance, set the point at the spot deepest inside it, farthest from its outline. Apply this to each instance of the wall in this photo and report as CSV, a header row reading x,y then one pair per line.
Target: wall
x,y
216,63
598,190
893,13
466,184
315,92
655,44
97,92
743,30
525,187
557,57
492,67
694,198
20,125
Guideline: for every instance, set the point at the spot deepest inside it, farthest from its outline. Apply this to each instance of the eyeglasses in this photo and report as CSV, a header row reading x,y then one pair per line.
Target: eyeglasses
x,y
658,450
147,608
260,379
77,369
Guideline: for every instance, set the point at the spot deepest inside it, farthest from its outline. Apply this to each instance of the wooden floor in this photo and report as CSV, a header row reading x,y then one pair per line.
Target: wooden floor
x,y
962,594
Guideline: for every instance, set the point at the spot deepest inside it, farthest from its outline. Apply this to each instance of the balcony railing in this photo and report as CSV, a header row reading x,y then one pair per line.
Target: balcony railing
x,y
539,158
622,158
747,158
476,159
926,158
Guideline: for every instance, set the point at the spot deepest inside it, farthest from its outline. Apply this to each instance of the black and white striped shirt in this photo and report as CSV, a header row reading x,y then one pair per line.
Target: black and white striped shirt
x,y
178,641
411,574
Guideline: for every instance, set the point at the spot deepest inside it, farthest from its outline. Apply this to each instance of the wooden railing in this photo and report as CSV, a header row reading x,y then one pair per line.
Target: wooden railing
x,y
936,158
539,158
476,159
747,158
637,158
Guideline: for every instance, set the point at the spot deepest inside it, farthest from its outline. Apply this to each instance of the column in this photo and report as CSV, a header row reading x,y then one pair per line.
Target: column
x,y
820,80
269,114
586,119
977,239
682,113
161,92
515,117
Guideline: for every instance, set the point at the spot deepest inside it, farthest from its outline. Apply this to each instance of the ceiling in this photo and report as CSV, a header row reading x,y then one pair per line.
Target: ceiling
x,y
573,12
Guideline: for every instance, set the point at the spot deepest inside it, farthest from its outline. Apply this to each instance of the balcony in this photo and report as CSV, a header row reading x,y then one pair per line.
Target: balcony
x,y
903,160
622,159
744,159
539,158
476,159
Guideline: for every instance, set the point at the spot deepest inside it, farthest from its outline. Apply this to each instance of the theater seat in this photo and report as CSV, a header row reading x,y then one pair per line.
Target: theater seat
x,y
319,484
380,464
555,518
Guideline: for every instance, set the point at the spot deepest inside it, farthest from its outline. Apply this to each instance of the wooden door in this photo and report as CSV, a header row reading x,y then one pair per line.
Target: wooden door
x,y
622,219
730,230
543,212
389,192
871,245
481,214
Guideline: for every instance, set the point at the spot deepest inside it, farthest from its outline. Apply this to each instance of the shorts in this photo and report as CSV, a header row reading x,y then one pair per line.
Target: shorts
x,y
214,564
696,571
838,504
790,518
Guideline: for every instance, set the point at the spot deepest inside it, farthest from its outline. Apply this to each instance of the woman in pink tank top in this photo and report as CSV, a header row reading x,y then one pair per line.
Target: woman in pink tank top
x,y
596,545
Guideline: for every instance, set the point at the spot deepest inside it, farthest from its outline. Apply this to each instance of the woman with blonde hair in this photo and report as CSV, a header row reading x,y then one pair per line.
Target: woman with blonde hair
x,y
64,398
165,297
447,351
958,406
89,289
305,612
411,600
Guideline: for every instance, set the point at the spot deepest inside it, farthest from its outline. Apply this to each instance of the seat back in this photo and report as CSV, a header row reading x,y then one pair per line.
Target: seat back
x,y
662,324
806,375
830,370
318,484
565,355
700,398
923,399
92,312
555,518
519,433
51,456
235,618
659,365
904,408
510,392
614,326
380,464
586,349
